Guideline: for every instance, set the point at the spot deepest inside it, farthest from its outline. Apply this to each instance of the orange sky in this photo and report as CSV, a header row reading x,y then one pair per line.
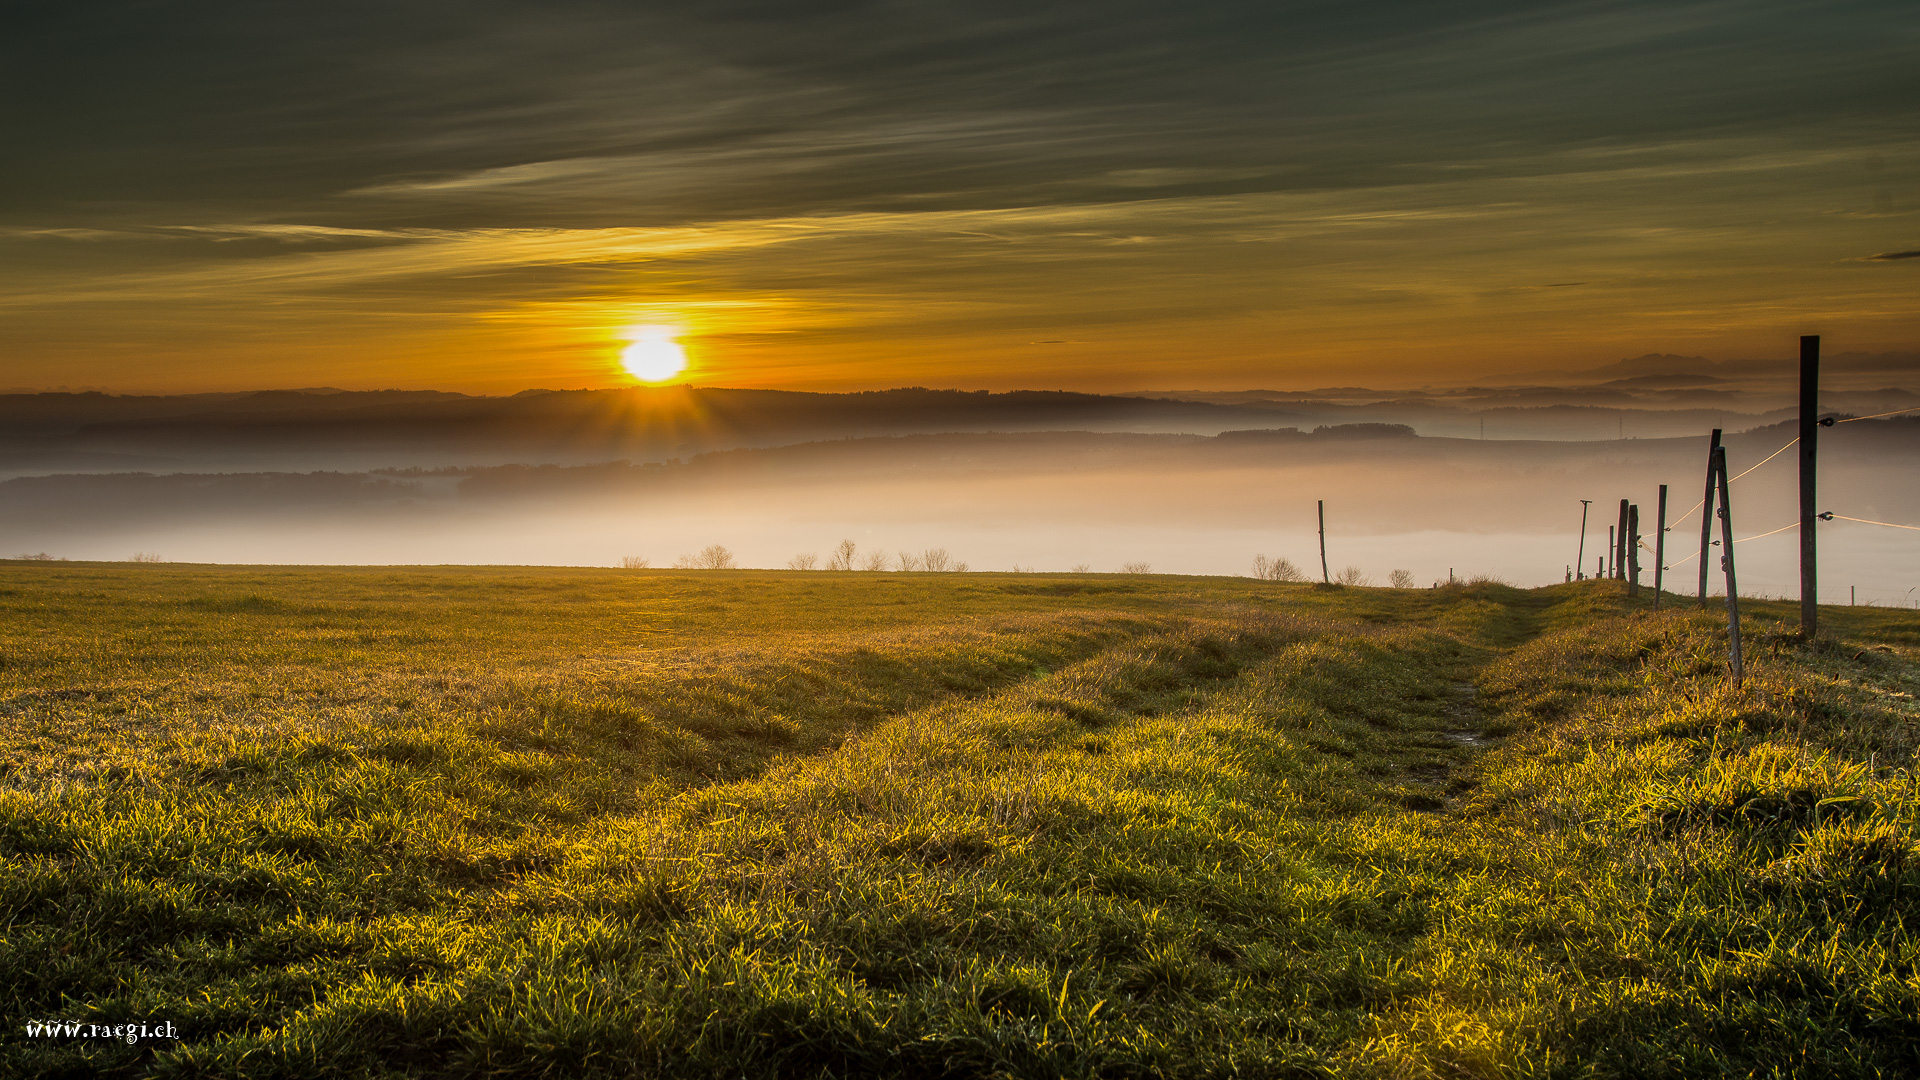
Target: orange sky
x,y
1217,203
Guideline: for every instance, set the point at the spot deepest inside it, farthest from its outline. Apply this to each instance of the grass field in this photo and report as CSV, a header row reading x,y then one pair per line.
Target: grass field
x,y
523,822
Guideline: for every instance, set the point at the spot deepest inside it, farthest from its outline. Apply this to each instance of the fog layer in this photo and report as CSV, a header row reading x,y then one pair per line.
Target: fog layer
x,y
1039,501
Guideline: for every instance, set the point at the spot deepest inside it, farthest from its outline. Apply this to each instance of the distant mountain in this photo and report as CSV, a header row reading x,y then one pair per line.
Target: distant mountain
x,y
304,430
335,430
1749,372
1664,382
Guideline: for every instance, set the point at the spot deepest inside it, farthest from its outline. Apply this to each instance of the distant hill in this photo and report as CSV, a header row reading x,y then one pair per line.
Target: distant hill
x,y
305,430
328,429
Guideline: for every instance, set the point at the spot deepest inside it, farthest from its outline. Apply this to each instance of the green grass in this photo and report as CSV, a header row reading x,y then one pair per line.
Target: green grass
x,y
509,822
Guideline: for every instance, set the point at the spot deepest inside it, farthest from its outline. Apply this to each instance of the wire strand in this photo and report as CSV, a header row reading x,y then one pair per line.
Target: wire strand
x,y
1756,536
1675,523
1888,524
1769,457
1877,416
1784,528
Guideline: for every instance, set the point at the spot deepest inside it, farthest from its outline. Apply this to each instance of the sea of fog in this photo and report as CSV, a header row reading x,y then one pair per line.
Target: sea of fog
x,y
1043,502
1874,565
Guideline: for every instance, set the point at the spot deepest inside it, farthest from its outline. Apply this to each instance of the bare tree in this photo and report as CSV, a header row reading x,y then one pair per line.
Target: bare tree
x,y
711,557
1352,575
1080,568
1267,569
958,568
635,562
936,560
145,556
842,556
1401,579
1136,568
804,561
875,560
908,562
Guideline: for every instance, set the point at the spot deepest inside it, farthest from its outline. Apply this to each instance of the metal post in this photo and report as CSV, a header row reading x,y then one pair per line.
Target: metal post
x,y
1726,563
1660,547
1580,564
1809,435
1324,576
1706,517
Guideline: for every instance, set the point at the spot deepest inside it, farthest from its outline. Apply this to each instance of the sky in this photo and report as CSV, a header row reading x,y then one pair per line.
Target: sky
x,y
490,197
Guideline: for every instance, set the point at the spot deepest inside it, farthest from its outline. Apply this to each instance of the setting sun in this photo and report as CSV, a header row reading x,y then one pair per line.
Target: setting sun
x,y
654,355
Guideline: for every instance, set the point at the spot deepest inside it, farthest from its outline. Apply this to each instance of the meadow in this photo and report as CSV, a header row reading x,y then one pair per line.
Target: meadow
x,y
517,822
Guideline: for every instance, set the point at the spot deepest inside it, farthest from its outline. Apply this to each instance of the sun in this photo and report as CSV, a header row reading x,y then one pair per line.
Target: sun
x,y
654,355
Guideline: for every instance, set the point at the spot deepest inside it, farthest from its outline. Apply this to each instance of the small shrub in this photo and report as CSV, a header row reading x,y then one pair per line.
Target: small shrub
x,y
806,560
876,560
145,556
635,562
1136,568
936,560
1267,569
1352,575
842,557
711,557
908,562
1401,579
1080,568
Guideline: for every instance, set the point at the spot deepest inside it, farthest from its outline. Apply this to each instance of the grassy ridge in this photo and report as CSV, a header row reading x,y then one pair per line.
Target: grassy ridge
x,y
555,823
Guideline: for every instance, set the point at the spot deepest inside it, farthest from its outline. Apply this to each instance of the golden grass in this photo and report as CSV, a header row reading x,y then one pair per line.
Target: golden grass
x,y
559,823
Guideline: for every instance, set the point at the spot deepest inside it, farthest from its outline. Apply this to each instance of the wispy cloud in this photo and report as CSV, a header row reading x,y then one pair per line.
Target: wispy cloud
x,y
1199,180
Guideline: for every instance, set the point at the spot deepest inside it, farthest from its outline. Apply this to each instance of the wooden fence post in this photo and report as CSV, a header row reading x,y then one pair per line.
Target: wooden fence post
x,y
1633,551
1726,562
1660,547
1809,437
1706,517
1579,563
1620,544
1324,577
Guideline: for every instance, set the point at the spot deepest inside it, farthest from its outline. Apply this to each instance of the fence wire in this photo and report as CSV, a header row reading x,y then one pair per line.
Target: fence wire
x,y
1675,523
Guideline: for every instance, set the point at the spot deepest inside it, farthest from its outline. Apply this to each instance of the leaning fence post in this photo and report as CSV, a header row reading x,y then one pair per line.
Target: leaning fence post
x,y
1706,517
1726,562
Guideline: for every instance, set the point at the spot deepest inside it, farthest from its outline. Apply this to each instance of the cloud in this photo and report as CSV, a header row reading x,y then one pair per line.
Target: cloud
x,y
1321,175
657,114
